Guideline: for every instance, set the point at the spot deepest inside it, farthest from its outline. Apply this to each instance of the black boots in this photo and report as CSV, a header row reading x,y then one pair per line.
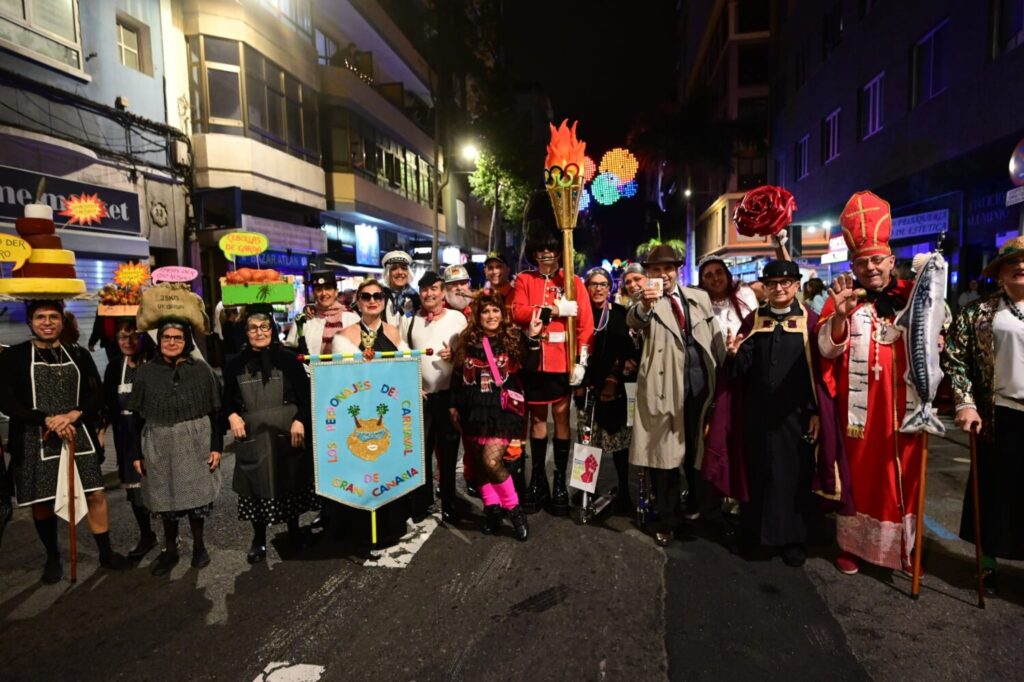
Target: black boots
x,y
537,493
518,518
492,519
559,493
623,501
53,570
258,548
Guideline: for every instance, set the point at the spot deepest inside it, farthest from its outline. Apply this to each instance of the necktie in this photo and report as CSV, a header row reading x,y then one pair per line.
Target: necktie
x,y
677,310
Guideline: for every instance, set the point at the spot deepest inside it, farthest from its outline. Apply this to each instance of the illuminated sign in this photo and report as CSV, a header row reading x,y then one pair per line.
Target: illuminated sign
x,y
98,208
367,245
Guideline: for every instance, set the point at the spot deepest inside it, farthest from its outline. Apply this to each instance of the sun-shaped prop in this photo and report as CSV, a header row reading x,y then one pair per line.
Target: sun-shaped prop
x,y
84,209
131,275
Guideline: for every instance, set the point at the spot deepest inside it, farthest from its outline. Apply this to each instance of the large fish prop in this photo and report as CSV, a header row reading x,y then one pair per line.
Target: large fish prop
x,y
922,322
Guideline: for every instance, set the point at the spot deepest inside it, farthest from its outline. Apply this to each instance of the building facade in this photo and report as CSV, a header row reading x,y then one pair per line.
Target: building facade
x,y
918,101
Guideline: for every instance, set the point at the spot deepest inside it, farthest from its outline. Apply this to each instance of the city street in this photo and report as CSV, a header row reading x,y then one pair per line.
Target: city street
x,y
596,602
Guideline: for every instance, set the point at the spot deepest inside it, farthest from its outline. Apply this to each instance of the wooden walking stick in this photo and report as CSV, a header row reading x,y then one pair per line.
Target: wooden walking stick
x,y
71,509
915,589
977,517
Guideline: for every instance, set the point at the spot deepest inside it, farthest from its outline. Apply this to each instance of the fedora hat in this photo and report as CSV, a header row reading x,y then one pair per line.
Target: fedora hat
x,y
1011,248
663,254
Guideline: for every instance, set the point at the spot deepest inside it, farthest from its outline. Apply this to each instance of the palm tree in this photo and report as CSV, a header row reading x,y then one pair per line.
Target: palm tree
x,y
382,410
354,411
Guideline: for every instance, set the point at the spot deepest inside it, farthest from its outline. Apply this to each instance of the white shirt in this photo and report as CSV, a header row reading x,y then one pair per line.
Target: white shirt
x,y
726,315
1008,332
437,373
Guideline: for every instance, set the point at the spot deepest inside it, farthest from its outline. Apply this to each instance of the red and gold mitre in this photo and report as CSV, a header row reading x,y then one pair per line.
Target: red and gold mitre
x,y
867,225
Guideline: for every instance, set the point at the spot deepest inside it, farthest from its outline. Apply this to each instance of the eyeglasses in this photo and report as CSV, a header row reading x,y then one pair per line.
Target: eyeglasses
x,y
779,283
375,296
862,263
599,285
254,328
125,337
172,339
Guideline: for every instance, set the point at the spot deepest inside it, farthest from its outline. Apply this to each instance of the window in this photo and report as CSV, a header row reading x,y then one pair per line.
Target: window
x,y
831,29
45,30
753,16
800,157
931,64
870,107
278,109
755,64
133,44
1008,28
325,49
296,14
800,68
751,171
830,137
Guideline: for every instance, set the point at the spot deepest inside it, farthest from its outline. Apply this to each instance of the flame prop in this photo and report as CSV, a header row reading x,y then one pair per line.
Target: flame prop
x,y
84,209
564,170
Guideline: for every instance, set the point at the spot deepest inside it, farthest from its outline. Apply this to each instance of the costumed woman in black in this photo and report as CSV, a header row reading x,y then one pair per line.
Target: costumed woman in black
x,y
266,399
605,411
52,392
371,335
181,440
488,405
117,389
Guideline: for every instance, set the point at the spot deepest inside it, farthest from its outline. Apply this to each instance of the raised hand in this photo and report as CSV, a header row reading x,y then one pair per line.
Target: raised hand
x,y
732,343
843,295
536,324
445,353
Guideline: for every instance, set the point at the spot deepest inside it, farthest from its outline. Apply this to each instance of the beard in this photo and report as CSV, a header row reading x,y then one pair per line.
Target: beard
x,y
457,301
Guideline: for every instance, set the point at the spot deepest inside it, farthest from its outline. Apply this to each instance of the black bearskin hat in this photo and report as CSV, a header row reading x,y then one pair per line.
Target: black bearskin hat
x,y
539,226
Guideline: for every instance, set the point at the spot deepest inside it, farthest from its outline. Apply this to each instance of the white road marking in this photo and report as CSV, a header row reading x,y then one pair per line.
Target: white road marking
x,y
283,671
401,554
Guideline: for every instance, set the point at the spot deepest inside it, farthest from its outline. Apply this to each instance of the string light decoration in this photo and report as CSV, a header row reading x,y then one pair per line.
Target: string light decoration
x,y
589,169
605,189
584,201
621,162
628,189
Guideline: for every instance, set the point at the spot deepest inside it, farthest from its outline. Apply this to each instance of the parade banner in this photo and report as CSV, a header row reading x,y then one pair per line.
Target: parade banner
x,y
367,430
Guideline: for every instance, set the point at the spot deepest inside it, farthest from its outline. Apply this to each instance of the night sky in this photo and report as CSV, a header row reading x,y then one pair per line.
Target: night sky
x,y
627,52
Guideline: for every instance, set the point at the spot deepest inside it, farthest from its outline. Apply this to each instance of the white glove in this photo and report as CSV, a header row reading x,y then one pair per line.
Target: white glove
x,y
584,356
577,375
566,308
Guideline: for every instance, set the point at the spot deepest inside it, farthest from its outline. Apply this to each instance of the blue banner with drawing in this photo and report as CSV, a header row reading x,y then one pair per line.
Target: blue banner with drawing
x,y
367,430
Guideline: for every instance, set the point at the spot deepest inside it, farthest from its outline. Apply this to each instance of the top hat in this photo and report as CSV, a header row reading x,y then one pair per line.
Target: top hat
x,y
322,278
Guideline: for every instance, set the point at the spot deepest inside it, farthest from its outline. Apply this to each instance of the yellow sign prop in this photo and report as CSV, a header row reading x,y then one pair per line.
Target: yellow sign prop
x,y
14,250
235,244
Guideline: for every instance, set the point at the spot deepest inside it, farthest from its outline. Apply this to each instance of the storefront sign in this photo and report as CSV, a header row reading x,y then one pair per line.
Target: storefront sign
x,y
18,188
14,250
1015,196
835,257
279,260
367,432
920,224
367,245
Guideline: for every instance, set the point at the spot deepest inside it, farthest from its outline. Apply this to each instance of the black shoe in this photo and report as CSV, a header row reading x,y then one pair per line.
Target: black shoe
x,y
989,582
200,559
537,493
164,563
492,519
449,512
53,571
142,548
559,495
318,522
662,538
257,553
6,512
116,562
518,518
794,555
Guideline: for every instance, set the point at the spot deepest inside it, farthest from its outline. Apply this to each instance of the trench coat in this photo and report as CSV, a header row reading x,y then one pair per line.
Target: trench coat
x,y
659,439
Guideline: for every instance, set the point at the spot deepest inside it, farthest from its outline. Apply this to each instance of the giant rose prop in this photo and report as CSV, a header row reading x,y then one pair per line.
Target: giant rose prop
x,y
764,211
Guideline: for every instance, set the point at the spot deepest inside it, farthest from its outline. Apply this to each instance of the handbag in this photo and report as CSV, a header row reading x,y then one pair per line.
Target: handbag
x,y
511,401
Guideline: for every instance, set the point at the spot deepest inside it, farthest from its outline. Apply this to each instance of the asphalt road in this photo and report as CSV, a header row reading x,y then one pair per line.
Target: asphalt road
x,y
591,603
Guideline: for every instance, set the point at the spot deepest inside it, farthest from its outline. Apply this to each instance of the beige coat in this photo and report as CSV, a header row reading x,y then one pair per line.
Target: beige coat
x,y
658,430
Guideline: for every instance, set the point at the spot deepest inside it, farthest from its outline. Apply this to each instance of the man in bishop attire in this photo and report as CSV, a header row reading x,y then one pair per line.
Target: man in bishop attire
x,y
773,442
863,364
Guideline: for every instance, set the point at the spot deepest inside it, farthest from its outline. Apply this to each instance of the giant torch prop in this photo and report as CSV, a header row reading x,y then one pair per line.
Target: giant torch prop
x,y
563,178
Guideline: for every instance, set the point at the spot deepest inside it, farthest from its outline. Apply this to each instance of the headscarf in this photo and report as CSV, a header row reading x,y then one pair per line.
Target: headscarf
x,y
186,330
261,359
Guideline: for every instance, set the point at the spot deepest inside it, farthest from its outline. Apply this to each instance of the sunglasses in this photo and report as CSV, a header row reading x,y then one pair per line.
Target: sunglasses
x,y
375,296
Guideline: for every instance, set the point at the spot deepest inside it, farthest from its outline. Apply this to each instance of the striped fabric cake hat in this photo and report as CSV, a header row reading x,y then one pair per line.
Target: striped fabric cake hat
x,y
49,272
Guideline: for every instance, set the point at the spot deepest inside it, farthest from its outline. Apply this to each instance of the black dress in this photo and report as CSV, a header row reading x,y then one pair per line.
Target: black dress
x,y
355,525
125,424
778,401
477,396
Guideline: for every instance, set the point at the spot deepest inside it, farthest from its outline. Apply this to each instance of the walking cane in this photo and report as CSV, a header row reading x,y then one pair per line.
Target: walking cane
x,y
915,589
71,509
977,517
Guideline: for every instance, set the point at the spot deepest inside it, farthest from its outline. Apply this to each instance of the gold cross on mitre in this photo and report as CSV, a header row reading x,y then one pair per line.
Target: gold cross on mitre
x,y
861,212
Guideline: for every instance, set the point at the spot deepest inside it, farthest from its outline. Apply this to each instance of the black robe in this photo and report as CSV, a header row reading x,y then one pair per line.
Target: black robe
x,y
774,370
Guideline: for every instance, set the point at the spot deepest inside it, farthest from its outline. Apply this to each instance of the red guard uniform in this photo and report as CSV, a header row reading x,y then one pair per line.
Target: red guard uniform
x,y
533,289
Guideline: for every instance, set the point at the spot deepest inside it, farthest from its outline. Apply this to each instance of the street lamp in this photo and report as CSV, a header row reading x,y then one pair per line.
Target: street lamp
x,y
688,193
470,152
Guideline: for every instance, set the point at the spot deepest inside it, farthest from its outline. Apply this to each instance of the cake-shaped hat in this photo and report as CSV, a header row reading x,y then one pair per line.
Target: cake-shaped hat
x,y
50,271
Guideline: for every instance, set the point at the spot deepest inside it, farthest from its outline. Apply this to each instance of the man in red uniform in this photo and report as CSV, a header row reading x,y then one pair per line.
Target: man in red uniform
x,y
863,365
549,385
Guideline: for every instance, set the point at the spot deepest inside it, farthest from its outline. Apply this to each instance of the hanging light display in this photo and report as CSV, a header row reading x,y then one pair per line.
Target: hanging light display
x,y
621,162
605,189
584,201
589,169
628,189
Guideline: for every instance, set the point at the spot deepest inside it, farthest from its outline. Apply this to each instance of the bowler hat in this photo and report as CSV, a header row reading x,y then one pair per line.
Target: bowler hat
x,y
781,268
663,254
1010,249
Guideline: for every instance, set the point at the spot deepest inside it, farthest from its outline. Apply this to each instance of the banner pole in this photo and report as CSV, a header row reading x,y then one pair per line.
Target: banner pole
x,y
373,527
